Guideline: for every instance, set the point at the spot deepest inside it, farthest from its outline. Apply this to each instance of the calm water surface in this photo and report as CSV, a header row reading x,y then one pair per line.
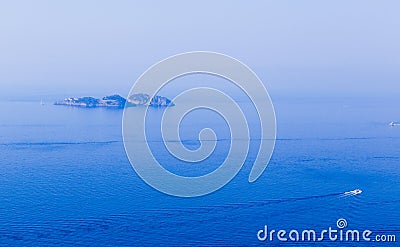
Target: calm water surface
x,y
65,178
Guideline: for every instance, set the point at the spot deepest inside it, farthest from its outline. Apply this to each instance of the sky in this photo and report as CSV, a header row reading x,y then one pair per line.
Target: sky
x,y
310,47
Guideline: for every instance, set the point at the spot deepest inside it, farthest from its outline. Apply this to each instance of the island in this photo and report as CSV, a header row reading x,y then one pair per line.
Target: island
x,y
144,99
117,101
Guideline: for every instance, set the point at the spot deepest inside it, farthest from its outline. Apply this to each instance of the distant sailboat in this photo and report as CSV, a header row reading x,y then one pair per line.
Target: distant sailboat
x,y
41,102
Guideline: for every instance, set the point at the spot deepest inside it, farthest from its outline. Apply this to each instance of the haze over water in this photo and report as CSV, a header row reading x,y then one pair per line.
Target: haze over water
x,y
331,69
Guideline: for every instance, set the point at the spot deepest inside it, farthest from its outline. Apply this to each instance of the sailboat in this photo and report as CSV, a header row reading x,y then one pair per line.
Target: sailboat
x,y
41,102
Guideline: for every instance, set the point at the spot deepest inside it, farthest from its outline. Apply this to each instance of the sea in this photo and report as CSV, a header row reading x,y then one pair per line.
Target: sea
x,y
65,179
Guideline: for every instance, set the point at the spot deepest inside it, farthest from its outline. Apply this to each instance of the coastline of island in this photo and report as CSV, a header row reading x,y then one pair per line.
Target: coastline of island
x,y
117,101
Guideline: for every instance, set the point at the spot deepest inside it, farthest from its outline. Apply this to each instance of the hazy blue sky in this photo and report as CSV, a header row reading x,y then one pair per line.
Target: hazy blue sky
x,y
101,47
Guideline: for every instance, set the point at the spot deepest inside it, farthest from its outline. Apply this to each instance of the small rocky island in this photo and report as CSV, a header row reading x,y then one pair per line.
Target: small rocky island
x,y
117,101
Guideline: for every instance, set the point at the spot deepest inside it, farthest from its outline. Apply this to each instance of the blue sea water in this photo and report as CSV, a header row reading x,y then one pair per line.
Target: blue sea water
x,y
65,178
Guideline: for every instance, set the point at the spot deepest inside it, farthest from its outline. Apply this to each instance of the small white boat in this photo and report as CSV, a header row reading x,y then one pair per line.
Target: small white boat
x,y
41,102
394,124
353,192
356,191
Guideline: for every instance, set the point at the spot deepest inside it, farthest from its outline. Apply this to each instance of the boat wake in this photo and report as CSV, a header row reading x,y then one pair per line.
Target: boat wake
x,y
249,204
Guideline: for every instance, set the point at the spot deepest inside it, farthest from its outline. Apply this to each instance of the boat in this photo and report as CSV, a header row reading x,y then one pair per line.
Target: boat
x,y
353,192
394,124
356,191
